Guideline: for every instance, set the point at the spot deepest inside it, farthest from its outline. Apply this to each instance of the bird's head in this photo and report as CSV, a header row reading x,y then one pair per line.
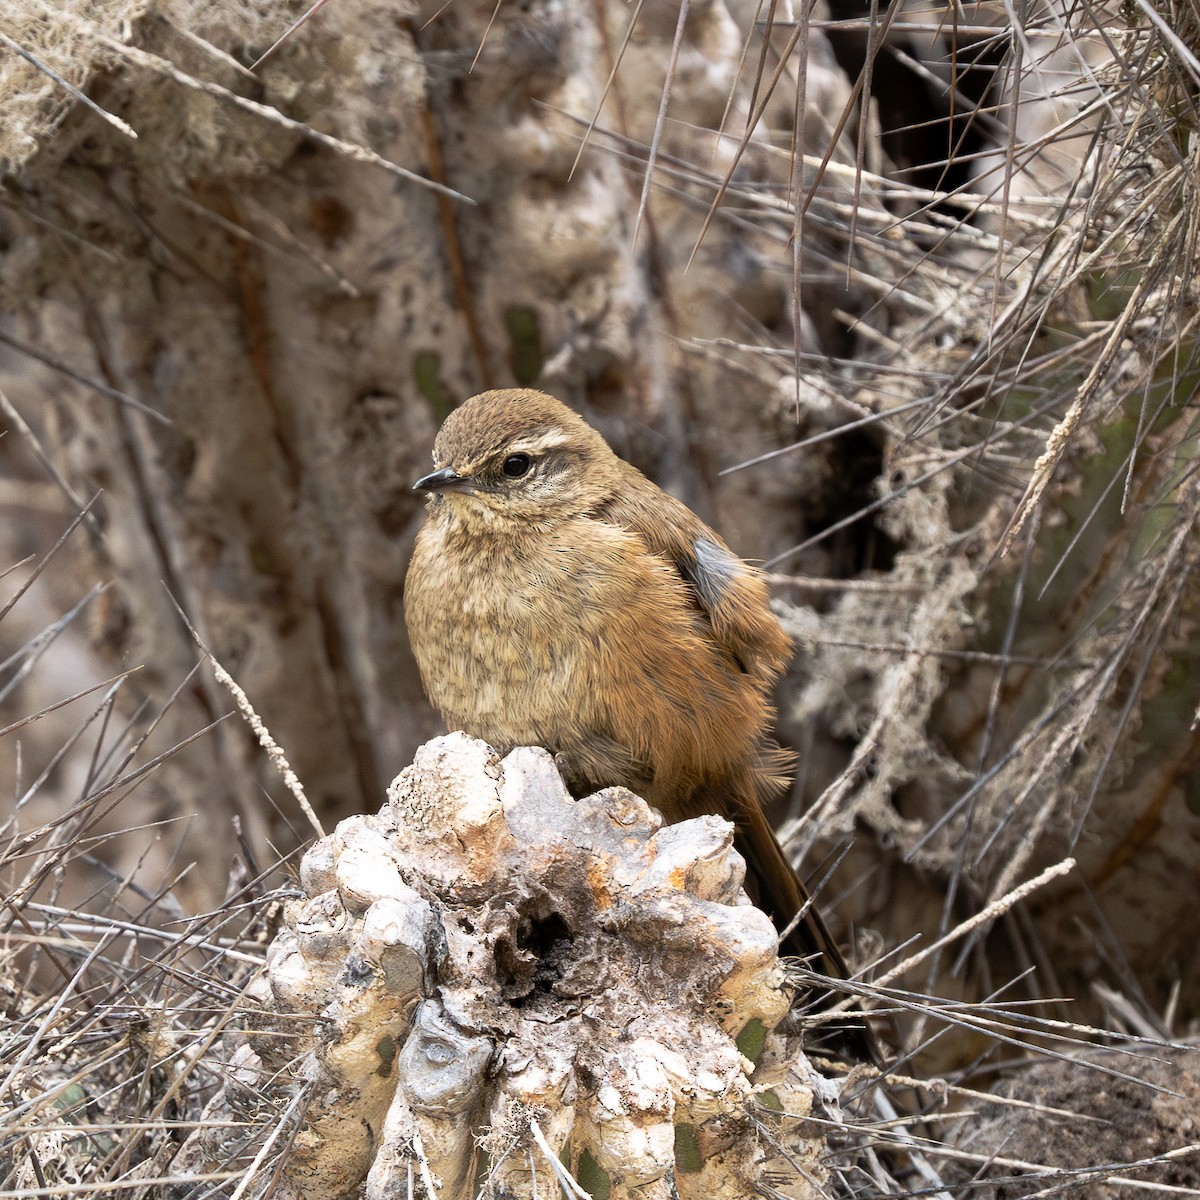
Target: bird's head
x,y
518,457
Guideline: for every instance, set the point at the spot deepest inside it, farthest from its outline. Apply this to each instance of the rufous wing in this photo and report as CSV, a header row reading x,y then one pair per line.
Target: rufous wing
x,y
728,591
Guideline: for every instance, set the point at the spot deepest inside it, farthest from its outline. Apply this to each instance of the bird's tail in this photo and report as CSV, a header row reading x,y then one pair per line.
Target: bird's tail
x,y
774,886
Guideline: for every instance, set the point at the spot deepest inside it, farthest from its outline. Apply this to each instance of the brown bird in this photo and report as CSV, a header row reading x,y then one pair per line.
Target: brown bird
x,y
558,598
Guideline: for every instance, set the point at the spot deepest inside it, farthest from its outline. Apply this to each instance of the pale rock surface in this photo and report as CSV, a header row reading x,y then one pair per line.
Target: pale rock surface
x,y
489,982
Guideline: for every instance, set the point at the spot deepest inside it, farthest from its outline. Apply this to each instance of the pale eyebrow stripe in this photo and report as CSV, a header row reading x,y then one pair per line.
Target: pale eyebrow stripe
x,y
540,443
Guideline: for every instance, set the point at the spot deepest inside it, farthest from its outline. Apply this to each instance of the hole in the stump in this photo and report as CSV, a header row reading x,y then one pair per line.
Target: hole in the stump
x,y
536,959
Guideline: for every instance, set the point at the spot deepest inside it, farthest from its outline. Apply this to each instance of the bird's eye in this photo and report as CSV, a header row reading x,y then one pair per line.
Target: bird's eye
x,y
516,465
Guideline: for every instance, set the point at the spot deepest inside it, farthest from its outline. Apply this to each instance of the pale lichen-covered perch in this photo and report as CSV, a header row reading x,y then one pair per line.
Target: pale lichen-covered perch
x,y
489,983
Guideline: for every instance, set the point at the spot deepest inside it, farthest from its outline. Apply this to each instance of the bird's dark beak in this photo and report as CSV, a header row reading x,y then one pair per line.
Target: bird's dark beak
x,y
445,480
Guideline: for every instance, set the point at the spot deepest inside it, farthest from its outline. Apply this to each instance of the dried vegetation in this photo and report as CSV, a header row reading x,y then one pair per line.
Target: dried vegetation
x,y
904,300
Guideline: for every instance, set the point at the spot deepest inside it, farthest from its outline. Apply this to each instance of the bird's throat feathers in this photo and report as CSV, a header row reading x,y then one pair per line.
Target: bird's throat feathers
x,y
471,514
